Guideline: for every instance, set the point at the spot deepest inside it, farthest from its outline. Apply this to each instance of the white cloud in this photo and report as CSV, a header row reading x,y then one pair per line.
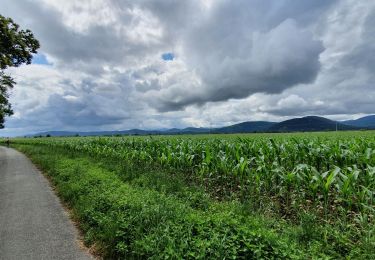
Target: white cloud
x,y
234,61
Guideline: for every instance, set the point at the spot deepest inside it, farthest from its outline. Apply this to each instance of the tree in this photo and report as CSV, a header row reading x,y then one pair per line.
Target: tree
x,y
16,48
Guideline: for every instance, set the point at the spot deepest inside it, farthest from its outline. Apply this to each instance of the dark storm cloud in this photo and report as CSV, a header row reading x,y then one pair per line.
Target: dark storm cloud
x,y
237,49
78,112
247,47
363,55
346,85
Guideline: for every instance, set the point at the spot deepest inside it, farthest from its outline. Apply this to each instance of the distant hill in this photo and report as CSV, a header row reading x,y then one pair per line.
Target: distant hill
x,y
304,124
363,122
172,131
307,124
97,133
245,127
188,130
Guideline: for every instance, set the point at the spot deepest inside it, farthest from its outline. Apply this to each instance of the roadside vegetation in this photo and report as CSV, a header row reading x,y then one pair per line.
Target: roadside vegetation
x,y
268,196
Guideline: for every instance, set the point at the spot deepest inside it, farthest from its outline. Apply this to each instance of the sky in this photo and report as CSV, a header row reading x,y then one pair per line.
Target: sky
x,y
155,64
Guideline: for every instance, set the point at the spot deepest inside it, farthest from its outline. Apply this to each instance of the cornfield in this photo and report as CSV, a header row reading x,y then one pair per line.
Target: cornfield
x,y
326,171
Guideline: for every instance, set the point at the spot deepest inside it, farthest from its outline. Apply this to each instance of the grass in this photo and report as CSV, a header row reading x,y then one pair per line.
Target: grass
x,y
138,208
136,221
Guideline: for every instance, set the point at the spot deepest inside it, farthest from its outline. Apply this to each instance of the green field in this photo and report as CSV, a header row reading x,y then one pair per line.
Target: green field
x,y
305,195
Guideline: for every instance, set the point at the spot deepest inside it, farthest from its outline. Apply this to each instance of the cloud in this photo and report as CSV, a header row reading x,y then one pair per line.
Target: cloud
x,y
232,61
269,62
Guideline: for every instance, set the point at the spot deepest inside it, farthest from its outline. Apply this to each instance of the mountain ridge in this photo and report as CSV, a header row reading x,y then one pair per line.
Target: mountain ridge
x,y
302,124
366,121
309,124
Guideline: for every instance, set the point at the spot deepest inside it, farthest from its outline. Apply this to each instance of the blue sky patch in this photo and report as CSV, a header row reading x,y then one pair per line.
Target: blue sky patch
x,y
167,56
40,59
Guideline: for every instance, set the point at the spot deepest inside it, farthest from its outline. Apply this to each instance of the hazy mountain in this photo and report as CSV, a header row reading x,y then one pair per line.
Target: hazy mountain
x,y
245,127
188,130
97,133
304,124
308,123
366,122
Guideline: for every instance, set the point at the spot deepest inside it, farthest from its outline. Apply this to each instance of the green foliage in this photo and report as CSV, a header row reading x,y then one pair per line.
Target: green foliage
x,y
314,192
329,172
16,48
129,222
6,82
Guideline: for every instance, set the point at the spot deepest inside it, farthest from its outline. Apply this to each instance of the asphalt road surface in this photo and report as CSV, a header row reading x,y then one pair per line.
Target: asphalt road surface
x,y
33,223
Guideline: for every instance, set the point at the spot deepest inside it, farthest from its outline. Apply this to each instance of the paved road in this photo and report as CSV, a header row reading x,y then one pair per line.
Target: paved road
x,y
33,224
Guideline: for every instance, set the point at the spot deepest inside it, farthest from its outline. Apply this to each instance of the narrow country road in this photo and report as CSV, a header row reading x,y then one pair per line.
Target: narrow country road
x,y
33,223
